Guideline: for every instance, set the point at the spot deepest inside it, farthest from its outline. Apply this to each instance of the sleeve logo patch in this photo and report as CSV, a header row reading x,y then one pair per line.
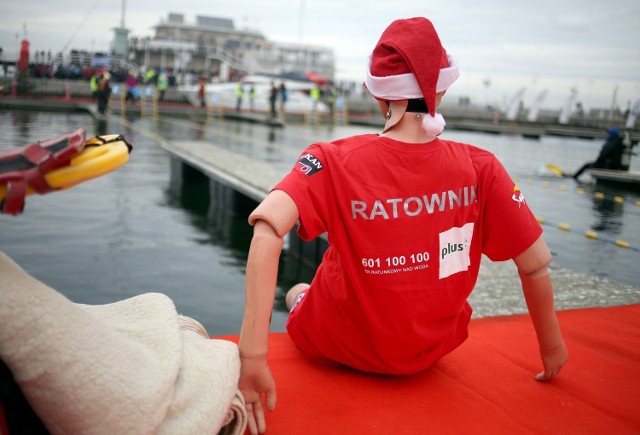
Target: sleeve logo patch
x,y
308,164
517,196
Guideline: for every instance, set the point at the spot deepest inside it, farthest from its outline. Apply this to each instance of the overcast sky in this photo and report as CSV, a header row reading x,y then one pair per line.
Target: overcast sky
x,y
591,45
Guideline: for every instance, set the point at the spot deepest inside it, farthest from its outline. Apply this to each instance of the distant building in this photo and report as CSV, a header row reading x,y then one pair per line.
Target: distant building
x,y
215,48
120,45
278,57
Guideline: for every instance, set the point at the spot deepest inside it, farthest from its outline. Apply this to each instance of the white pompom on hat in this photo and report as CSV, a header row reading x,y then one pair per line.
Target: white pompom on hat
x,y
409,62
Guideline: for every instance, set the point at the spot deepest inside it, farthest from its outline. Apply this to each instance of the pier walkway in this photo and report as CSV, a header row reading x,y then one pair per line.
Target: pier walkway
x,y
457,119
240,173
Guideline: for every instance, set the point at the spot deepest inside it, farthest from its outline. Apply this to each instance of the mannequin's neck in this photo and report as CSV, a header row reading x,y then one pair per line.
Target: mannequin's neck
x,y
409,130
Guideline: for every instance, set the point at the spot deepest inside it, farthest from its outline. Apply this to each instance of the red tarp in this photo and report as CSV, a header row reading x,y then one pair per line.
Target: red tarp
x,y
485,386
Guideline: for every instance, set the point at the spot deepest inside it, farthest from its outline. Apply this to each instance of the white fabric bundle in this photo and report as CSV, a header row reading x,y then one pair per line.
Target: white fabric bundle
x,y
132,367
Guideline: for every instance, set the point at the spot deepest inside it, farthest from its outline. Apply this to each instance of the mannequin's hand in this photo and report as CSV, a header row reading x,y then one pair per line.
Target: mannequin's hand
x,y
256,379
553,360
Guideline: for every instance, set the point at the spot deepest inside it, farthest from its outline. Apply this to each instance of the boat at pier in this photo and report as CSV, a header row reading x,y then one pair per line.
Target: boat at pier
x,y
610,176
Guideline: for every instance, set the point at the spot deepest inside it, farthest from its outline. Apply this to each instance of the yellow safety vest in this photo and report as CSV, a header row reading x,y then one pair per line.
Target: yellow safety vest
x,y
163,82
93,83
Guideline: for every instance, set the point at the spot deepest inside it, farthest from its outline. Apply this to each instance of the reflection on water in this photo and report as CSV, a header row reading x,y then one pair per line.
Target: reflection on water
x,y
139,230
217,212
100,127
608,216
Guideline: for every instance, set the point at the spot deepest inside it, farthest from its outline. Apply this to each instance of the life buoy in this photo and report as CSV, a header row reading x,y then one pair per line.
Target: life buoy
x,y
94,161
99,155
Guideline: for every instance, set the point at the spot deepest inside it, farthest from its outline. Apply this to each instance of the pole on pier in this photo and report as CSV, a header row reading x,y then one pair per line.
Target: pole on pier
x,y
143,109
123,100
154,103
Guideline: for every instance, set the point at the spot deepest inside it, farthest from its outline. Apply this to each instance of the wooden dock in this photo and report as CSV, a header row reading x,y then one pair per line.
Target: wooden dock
x,y
622,178
232,174
241,173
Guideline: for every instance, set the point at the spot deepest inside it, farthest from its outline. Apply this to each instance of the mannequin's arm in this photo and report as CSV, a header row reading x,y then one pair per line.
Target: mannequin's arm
x,y
272,220
538,293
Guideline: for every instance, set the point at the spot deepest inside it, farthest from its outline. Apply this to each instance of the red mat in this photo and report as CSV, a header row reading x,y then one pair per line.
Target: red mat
x,y
485,386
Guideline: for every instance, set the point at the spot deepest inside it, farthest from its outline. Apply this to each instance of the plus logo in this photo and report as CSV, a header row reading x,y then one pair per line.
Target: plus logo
x,y
455,248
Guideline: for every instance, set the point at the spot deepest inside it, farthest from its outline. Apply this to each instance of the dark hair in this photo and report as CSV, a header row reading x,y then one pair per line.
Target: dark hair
x,y
417,105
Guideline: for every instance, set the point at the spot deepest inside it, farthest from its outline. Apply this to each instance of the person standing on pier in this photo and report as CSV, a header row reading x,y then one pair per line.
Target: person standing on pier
x,y
163,84
273,97
131,83
252,97
239,96
284,96
202,90
104,92
93,85
408,216
314,94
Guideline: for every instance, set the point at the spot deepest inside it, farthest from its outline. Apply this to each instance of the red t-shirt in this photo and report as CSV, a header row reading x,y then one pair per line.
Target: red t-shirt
x,y
406,225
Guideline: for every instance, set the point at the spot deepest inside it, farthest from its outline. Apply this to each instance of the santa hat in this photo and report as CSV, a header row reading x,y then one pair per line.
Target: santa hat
x,y
407,63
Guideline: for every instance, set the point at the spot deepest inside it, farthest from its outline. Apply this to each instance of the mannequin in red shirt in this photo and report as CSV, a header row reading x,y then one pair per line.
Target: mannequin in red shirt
x,y
408,216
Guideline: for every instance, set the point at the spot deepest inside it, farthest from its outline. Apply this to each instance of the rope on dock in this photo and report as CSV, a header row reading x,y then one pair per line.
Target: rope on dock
x,y
588,234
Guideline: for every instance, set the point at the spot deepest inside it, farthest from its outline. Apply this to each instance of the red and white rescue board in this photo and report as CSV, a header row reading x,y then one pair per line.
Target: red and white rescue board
x,y
485,386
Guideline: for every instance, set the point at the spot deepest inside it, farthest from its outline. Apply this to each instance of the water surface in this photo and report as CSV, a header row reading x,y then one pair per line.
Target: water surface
x,y
136,231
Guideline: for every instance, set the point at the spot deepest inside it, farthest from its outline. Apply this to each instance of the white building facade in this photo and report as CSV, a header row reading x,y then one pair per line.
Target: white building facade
x,y
213,47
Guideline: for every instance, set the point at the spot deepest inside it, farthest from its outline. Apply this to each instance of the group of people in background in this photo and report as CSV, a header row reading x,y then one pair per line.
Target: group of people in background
x,y
279,95
43,67
100,84
240,93
276,94
43,70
